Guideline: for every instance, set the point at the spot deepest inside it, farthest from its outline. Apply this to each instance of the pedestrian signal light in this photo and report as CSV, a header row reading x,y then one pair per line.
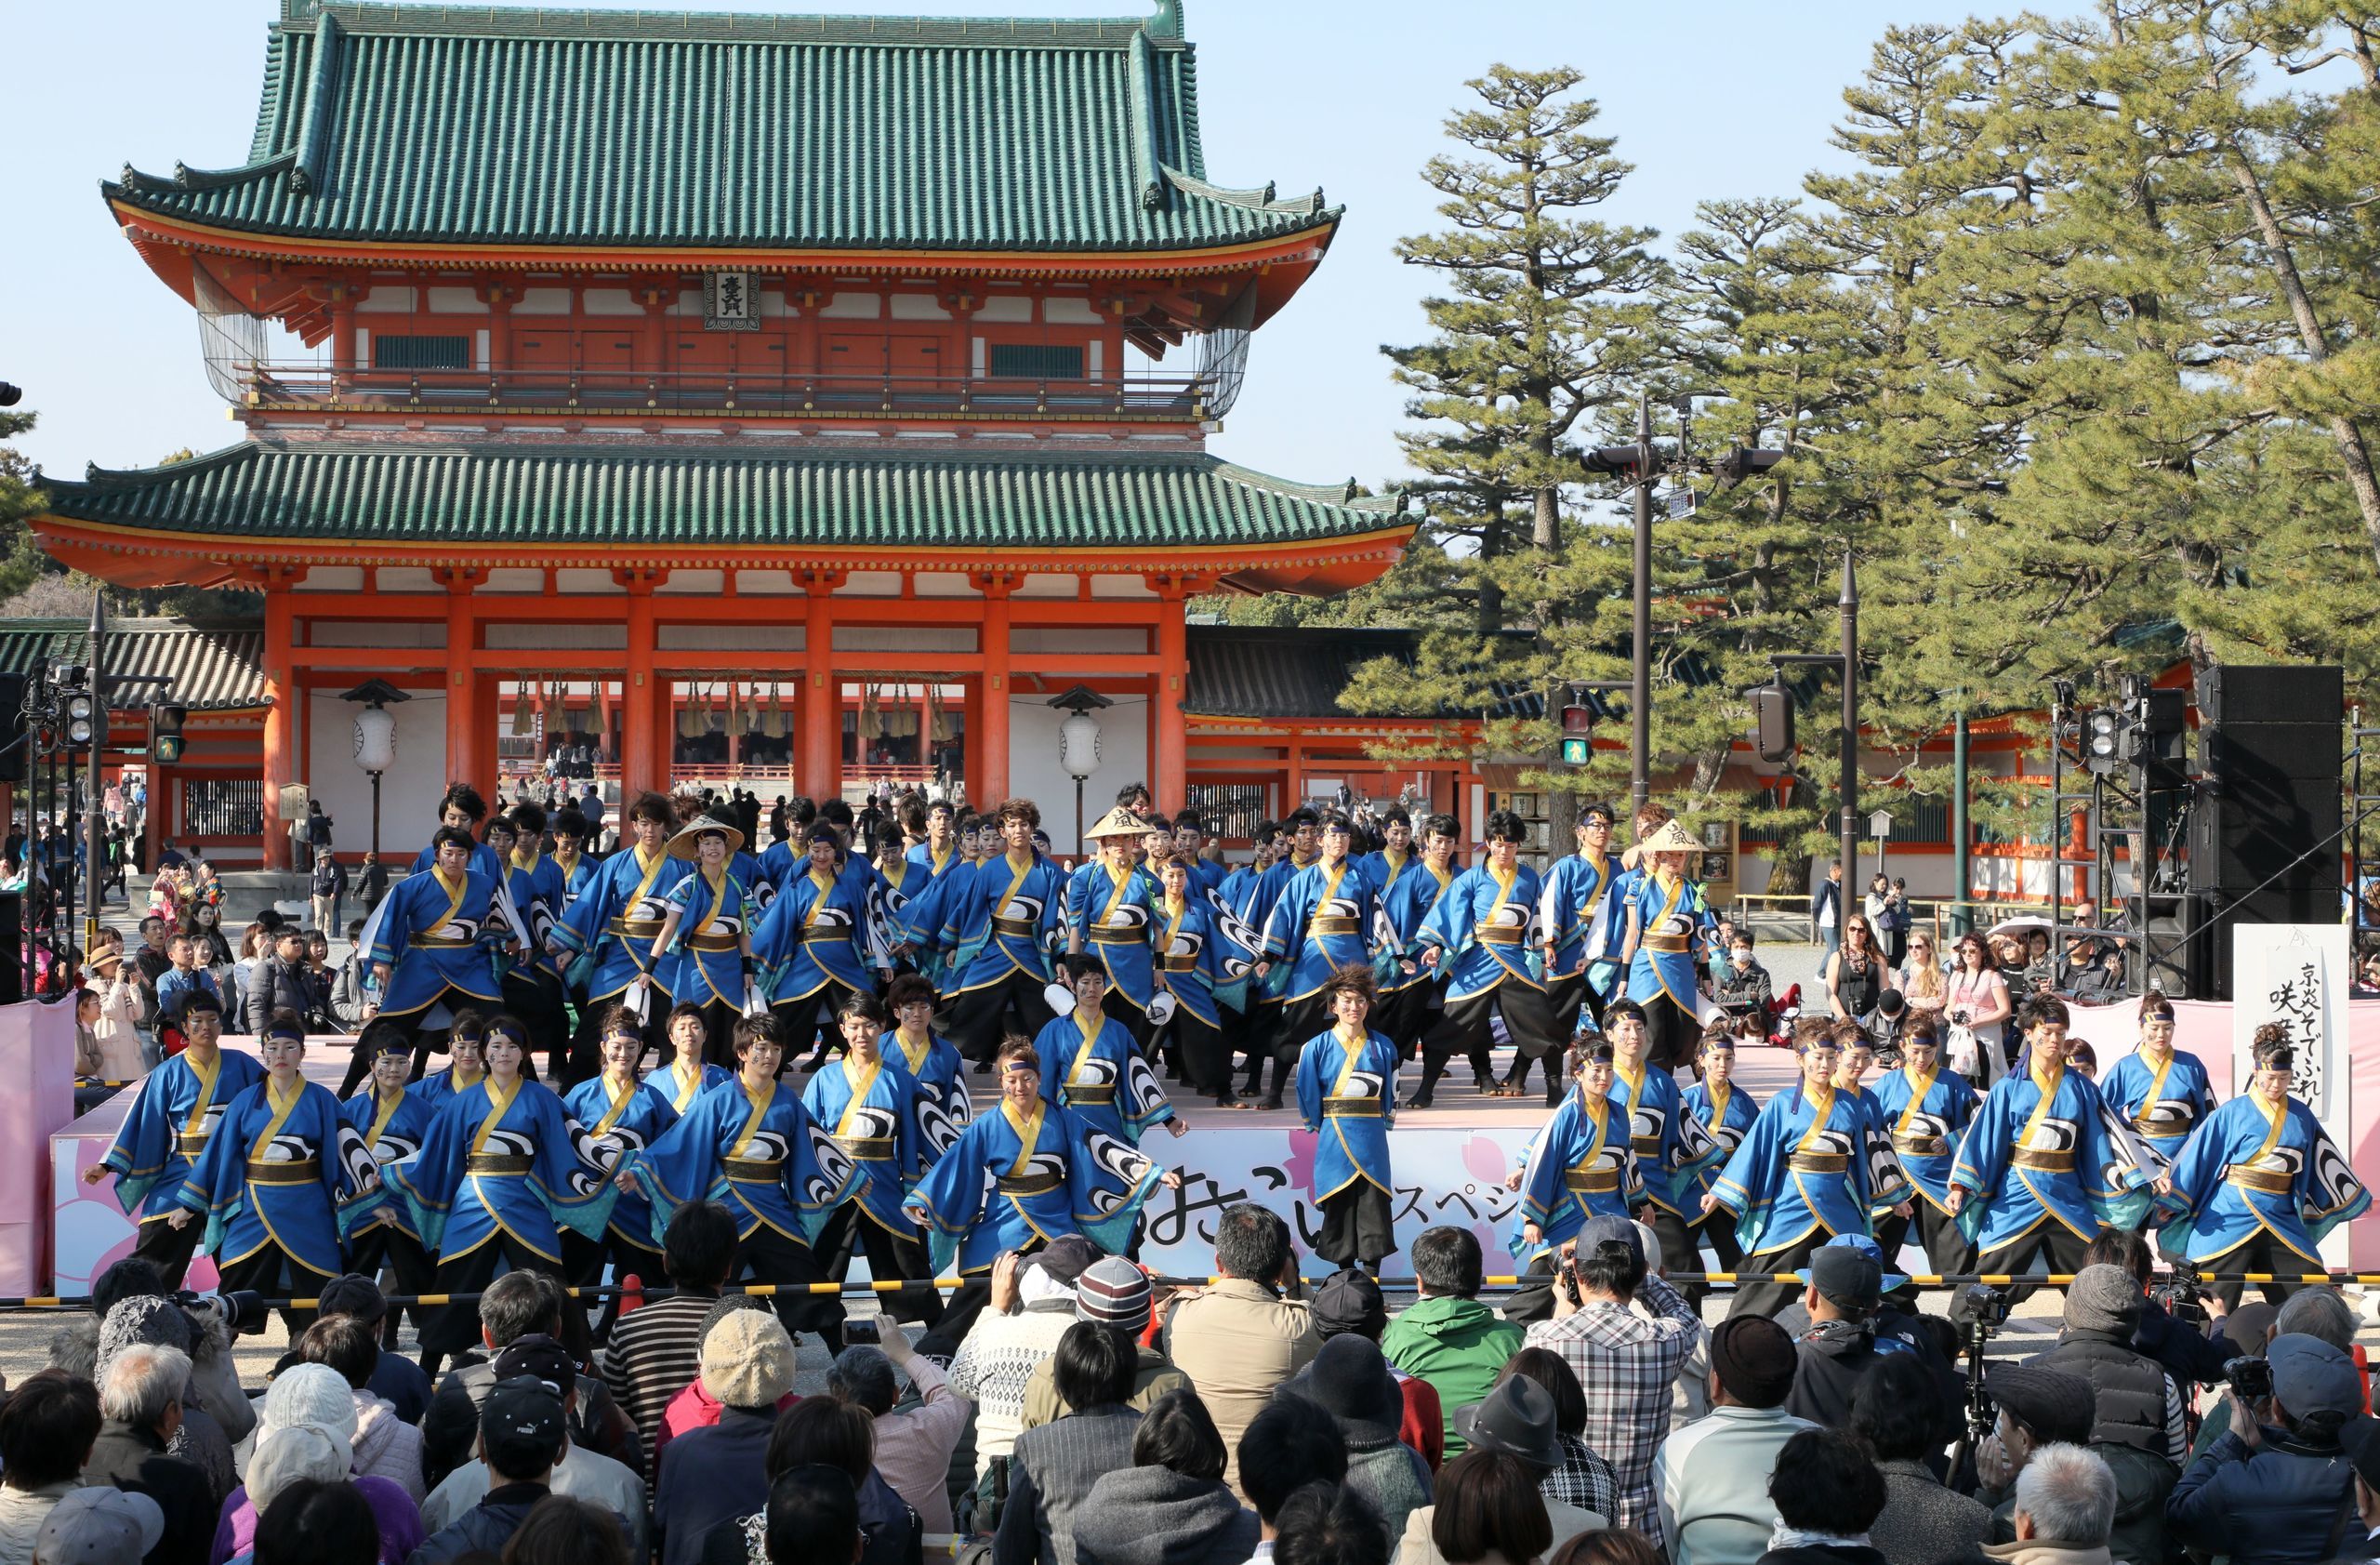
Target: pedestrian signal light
x,y
1772,722
166,731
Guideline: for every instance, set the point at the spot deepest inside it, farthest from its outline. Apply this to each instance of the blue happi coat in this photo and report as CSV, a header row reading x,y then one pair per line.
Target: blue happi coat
x,y
811,934
1002,921
434,1089
540,895
1580,1165
705,962
1403,907
1098,1075
2247,1169
172,1118
681,1086
935,1071
1384,869
1925,1121
2075,1172
2162,1104
1671,917
1485,928
1725,1121
280,1172
872,1113
1347,1099
390,1132
1326,918
617,1127
490,1166
619,916
1808,1162
429,932
760,1155
1008,1181
1571,914
484,859
1113,915
1202,949
576,875
1669,1143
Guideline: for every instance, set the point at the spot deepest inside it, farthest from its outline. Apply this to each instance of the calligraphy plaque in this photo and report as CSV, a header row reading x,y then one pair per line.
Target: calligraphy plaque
x,y
731,302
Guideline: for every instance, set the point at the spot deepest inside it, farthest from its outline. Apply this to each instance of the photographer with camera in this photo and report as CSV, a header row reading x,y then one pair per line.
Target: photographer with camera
x,y
2180,1323
2033,1408
2277,1488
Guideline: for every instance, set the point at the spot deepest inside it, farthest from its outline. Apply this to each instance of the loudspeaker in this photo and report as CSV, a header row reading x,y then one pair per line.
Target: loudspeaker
x,y
12,728
2291,693
12,949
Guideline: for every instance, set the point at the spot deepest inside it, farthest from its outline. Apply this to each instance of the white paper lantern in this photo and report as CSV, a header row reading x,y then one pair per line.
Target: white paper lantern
x,y
376,738
1078,744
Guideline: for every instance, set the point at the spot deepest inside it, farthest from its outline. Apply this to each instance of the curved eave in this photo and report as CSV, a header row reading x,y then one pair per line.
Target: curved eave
x,y
152,232
143,557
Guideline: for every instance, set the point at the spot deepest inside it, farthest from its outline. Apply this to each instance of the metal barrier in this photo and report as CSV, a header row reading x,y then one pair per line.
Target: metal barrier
x,y
39,1304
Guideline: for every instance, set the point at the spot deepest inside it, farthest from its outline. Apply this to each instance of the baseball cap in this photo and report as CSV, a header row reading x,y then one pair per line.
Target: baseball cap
x,y
1349,1301
102,1525
540,1358
2312,1378
520,1425
1607,1228
1886,1281
1065,1258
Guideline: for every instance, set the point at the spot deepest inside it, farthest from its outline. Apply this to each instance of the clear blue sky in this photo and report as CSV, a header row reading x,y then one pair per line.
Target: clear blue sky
x,y
1708,97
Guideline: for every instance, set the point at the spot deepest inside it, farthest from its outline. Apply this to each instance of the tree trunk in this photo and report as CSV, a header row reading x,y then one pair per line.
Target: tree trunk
x,y
2354,455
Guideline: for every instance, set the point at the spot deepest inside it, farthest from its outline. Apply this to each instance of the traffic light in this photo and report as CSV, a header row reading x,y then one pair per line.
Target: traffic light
x,y
1772,722
166,731
81,717
1578,733
1623,460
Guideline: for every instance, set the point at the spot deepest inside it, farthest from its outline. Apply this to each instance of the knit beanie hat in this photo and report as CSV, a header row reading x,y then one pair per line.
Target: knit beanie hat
x,y
148,1318
1113,1292
308,1394
292,1451
2103,1298
1755,1359
747,1360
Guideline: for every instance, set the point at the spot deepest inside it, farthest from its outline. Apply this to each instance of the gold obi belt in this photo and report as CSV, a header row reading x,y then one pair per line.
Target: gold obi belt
x,y
2260,1181
1590,1181
1669,944
496,1163
303,1171
1820,1162
713,942
1318,927
1016,929
1921,1146
1102,935
752,1171
1180,964
438,943
829,935
191,1143
1039,1183
1645,1146
1496,934
1351,1108
2041,1161
633,929
1089,1092
868,1148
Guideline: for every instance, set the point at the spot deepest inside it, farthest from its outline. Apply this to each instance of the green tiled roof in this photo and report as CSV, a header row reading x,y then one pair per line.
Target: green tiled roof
x,y
509,494
210,667
468,123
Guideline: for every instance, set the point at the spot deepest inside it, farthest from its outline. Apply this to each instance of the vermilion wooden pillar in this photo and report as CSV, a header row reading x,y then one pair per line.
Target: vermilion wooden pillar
x,y
992,789
463,757
821,774
1168,688
280,692
640,759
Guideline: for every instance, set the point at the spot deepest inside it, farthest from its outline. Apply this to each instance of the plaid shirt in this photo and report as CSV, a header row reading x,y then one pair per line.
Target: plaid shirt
x,y
1583,1479
1626,1364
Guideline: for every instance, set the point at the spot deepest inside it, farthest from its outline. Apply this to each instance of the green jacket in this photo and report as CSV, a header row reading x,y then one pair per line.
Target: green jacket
x,y
1458,1345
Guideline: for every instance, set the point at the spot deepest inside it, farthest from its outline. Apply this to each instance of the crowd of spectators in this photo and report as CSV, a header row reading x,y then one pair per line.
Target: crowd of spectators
x,y
1088,1417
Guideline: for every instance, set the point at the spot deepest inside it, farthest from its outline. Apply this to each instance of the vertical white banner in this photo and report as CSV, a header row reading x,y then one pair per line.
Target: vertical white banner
x,y
2296,976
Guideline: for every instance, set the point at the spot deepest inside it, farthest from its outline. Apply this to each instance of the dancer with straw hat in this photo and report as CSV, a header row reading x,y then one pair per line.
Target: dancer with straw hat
x,y
1111,908
705,949
1663,946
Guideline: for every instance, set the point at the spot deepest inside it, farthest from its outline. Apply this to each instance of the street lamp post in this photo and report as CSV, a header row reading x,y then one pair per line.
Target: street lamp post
x,y
1079,741
376,738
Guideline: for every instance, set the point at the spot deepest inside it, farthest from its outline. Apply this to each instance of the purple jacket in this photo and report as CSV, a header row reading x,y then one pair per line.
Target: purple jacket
x,y
399,1523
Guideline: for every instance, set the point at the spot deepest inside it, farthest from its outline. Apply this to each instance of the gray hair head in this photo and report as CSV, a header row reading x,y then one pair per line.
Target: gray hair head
x,y
2317,1312
142,1381
863,1376
2070,1495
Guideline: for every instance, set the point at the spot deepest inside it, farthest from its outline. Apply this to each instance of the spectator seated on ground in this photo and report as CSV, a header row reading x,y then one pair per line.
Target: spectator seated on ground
x,y
1447,1337
513,1305
1827,1494
578,1473
1712,1476
2065,1506
1240,1338
1171,1505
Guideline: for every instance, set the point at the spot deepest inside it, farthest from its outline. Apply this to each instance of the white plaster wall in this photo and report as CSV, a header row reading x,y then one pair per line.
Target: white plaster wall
x,y
1033,768
409,791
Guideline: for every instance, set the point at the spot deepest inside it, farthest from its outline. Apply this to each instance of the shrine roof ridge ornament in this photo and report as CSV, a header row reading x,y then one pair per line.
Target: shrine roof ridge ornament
x,y
431,126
